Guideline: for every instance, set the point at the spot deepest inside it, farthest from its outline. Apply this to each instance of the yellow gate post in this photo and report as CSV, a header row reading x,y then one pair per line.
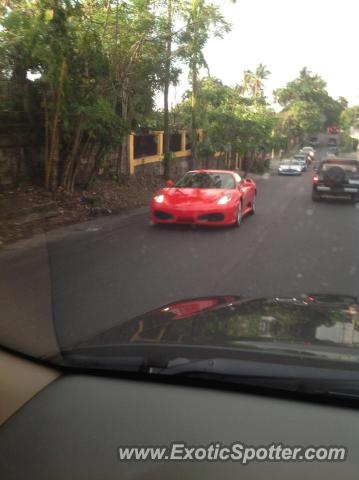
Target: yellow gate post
x,y
183,140
159,134
131,152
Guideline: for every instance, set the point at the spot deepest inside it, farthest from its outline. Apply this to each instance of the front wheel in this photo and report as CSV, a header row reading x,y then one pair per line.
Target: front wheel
x,y
239,216
254,205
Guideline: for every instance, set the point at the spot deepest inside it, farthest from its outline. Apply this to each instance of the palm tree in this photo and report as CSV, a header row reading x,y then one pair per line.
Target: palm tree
x,y
253,82
259,76
247,82
202,18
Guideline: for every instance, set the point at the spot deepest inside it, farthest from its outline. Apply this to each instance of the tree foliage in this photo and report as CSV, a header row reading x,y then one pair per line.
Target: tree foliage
x,y
307,106
349,118
202,19
99,64
253,82
231,122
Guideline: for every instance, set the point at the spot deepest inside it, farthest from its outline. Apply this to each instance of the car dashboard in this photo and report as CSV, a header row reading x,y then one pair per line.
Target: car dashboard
x,y
74,425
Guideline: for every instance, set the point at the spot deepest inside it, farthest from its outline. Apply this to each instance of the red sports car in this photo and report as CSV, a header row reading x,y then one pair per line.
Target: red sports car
x,y
205,197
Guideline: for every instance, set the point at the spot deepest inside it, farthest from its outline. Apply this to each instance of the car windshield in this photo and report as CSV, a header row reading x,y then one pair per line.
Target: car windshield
x,y
160,202
290,162
207,180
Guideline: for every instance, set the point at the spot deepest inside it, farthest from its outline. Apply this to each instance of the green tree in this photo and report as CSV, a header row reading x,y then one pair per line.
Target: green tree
x,y
202,20
100,64
171,71
307,106
253,82
349,118
231,122
167,81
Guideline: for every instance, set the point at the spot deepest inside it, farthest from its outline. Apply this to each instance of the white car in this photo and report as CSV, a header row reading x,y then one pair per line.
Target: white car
x,y
309,151
302,159
290,167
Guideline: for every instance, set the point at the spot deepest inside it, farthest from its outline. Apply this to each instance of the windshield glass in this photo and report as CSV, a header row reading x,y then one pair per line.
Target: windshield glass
x,y
290,162
156,167
207,180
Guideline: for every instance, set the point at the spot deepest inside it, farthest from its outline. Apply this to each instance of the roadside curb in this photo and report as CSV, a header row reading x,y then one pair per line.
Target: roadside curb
x,y
107,222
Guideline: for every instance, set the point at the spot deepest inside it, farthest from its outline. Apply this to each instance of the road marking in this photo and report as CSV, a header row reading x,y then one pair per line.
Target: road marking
x,y
93,229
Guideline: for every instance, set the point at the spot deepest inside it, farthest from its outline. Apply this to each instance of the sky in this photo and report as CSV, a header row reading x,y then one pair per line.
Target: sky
x,y
287,35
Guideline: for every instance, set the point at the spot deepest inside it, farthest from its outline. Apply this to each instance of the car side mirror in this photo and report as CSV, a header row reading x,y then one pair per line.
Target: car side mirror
x,y
169,183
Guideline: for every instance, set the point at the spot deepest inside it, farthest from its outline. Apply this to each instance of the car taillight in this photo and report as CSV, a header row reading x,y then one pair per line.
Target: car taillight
x,y
315,179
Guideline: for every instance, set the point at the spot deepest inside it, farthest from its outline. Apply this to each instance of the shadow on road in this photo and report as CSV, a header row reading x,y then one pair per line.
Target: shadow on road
x,y
215,229
337,201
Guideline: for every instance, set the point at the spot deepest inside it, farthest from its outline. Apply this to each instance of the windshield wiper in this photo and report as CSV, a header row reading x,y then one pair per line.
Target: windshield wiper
x,y
274,375
289,378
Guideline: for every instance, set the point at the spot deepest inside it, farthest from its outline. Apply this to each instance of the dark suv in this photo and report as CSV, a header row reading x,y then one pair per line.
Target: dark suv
x,y
336,177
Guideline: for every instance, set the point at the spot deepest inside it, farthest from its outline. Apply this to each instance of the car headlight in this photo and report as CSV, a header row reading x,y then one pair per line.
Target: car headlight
x,y
224,200
159,198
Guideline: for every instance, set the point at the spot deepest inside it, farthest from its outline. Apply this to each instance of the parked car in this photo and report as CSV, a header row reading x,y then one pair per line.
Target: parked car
x,y
316,165
314,141
336,178
310,151
333,130
290,167
332,151
332,142
205,197
302,158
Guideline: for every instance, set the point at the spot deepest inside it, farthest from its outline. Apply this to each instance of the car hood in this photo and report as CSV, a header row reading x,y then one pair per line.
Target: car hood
x,y
325,326
315,325
193,196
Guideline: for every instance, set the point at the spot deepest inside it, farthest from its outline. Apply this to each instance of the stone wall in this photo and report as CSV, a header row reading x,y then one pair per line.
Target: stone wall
x,y
179,166
20,164
9,165
21,157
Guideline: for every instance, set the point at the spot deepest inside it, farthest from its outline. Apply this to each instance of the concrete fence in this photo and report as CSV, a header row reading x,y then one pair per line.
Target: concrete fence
x,y
138,160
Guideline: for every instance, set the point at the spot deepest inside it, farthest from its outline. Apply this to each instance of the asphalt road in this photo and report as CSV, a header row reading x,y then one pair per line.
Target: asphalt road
x,y
119,267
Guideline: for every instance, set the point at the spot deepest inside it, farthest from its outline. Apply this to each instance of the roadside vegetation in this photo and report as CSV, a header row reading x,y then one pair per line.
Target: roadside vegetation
x,y
97,65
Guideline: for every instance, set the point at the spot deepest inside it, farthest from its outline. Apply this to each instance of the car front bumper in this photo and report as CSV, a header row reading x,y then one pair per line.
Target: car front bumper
x,y
289,172
218,215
